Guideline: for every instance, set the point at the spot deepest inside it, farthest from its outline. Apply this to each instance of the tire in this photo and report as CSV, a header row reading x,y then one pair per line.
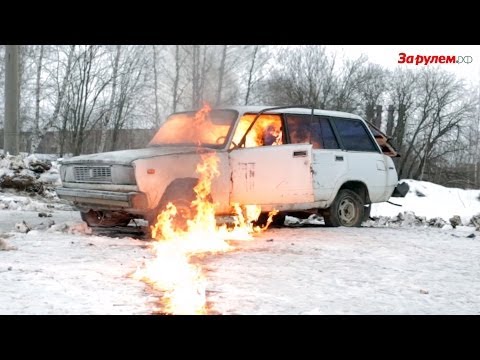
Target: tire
x,y
346,210
105,218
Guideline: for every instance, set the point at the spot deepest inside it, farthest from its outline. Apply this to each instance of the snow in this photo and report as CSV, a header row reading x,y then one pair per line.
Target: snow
x,y
349,271
57,273
55,264
16,202
432,200
314,270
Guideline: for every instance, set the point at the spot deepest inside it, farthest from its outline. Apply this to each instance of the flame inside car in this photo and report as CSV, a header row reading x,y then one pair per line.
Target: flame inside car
x,y
174,270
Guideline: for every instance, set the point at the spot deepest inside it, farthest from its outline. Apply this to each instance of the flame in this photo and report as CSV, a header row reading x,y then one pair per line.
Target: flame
x,y
182,129
173,270
255,135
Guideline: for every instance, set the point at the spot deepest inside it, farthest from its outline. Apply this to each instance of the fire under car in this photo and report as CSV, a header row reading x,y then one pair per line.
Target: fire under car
x,y
292,159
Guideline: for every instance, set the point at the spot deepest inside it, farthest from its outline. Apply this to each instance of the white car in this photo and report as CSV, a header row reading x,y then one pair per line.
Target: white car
x,y
286,158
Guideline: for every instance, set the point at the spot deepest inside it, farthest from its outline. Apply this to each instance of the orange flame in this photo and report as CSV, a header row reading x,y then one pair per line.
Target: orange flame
x,y
255,137
172,269
181,128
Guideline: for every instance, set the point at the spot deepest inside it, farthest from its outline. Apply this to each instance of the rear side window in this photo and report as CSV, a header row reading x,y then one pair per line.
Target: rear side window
x,y
354,135
322,134
299,129
316,131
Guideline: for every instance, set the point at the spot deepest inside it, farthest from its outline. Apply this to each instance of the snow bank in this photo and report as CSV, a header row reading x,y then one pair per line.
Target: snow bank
x,y
429,200
34,174
28,182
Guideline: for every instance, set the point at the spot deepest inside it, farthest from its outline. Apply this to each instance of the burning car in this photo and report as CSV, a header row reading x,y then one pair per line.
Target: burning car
x,y
286,158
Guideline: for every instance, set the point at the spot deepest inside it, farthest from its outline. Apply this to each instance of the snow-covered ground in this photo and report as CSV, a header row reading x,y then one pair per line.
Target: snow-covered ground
x,y
314,270
349,271
51,263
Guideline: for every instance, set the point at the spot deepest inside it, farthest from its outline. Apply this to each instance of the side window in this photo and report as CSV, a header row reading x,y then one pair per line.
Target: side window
x,y
322,134
354,135
299,129
266,131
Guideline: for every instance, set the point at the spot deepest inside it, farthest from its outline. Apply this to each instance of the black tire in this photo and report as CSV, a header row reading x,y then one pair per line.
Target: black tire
x,y
105,218
346,210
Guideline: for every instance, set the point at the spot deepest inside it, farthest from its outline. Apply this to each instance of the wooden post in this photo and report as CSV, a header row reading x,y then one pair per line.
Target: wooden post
x,y
378,117
369,113
390,120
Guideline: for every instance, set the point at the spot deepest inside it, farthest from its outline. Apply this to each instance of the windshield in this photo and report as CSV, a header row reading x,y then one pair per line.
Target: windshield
x,y
205,127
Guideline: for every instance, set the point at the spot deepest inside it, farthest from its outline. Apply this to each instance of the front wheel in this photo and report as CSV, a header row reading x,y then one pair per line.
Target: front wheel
x,y
346,210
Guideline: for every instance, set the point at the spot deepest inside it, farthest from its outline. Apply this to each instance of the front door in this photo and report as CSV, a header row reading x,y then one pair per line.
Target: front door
x,y
278,174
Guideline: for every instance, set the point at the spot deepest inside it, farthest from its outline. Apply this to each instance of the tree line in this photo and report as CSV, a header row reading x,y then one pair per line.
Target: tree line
x,y
75,90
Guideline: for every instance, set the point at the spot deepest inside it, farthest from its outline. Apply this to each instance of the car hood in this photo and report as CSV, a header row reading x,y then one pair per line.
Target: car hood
x,y
126,157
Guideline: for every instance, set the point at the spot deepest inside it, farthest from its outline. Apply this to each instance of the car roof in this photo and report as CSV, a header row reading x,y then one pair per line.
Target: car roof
x,y
292,110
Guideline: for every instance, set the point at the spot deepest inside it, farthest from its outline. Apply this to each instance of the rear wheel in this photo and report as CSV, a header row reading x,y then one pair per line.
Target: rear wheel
x,y
105,218
346,210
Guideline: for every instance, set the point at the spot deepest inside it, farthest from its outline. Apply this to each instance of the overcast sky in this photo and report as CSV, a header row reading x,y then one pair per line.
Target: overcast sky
x,y
387,55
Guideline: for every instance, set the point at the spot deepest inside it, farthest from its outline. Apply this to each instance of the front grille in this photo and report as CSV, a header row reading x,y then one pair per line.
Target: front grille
x,y
95,174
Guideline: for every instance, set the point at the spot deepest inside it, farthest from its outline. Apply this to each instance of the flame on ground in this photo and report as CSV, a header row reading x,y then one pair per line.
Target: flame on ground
x,y
172,271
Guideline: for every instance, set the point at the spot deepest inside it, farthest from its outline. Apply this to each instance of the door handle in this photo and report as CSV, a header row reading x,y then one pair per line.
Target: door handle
x,y
338,158
299,153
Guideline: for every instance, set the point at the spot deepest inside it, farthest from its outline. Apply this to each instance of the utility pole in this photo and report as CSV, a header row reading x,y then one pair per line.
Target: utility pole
x,y
11,100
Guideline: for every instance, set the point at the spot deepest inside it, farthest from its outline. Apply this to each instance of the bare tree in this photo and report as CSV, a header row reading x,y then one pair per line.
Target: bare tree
x,y
372,89
155,84
441,111
221,74
250,74
349,84
176,81
130,73
86,106
300,76
37,95
108,114
60,73
2,84
401,91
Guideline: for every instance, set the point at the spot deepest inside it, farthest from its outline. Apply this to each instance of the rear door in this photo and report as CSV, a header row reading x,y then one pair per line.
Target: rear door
x,y
329,163
365,161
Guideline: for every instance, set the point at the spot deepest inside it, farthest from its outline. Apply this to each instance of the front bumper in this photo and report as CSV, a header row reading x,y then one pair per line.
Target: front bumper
x,y
100,199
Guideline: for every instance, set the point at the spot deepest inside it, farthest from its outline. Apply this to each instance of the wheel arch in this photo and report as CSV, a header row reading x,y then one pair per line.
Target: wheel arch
x,y
357,186
175,189
178,187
